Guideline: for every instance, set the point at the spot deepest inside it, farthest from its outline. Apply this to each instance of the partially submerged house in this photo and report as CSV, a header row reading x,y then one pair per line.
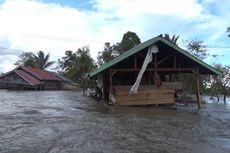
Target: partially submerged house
x,y
143,74
31,78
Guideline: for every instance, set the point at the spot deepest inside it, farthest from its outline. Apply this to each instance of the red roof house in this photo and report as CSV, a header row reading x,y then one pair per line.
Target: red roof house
x,y
30,78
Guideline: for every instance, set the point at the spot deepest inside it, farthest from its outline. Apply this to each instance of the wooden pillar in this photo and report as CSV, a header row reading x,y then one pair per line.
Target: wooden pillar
x,y
170,77
155,69
198,89
155,61
174,61
110,81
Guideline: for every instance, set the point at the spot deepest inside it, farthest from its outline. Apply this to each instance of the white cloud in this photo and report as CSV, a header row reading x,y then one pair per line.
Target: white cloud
x,y
4,63
130,8
32,26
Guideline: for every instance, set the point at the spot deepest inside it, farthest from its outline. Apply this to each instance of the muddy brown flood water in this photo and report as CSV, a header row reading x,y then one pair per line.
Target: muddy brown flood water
x,y
66,122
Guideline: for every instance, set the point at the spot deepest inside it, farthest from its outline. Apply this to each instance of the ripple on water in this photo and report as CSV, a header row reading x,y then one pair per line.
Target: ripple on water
x,y
30,112
64,121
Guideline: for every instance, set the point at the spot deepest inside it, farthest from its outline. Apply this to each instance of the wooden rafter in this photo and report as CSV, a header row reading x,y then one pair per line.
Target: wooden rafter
x,y
164,59
144,58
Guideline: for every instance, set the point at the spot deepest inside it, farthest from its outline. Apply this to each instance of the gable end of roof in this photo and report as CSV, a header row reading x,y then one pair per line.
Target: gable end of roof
x,y
146,44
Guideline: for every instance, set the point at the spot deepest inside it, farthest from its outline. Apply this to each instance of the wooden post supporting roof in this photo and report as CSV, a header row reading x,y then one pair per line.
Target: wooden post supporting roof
x,y
155,68
197,89
155,61
110,82
174,61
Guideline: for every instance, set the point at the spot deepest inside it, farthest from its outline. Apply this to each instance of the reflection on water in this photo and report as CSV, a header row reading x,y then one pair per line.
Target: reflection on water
x,y
64,121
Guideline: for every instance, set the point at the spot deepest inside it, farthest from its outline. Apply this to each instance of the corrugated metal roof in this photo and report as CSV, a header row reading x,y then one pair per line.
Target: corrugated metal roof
x,y
28,78
61,77
141,46
42,75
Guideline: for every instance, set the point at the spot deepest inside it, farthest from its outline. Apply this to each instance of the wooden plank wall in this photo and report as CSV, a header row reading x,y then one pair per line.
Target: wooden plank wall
x,y
146,96
172,85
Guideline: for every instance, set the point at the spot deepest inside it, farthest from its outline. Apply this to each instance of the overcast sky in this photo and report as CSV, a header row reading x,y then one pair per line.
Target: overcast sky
x,y
55,26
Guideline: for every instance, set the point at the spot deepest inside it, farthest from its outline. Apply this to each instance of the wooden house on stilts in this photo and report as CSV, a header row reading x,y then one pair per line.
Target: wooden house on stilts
x,y
143,74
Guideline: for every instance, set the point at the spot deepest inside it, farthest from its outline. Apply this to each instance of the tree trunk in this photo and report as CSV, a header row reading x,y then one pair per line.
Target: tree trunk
x,y
225,95
218,98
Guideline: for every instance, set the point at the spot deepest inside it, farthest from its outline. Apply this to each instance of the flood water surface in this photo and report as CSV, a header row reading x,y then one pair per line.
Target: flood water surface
x,y
66,122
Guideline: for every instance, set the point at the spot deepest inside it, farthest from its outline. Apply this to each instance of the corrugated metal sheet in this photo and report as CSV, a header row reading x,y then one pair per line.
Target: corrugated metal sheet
x,y
28,78
61,77
42,75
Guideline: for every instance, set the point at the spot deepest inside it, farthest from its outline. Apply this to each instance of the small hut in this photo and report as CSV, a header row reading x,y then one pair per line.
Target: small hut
x,y
143,74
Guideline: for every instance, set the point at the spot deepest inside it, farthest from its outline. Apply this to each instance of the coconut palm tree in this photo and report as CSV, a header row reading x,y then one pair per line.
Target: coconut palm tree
x,y
173,39
42,60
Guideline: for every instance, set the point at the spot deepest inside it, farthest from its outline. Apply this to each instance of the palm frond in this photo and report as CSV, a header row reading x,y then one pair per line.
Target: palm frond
x,y
42,60
46,59
48,64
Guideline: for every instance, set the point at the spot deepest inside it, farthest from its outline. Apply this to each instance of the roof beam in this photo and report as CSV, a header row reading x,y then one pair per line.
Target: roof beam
x,y
153,69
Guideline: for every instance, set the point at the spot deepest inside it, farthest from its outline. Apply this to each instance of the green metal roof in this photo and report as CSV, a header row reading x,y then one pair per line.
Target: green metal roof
x,y
144,45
